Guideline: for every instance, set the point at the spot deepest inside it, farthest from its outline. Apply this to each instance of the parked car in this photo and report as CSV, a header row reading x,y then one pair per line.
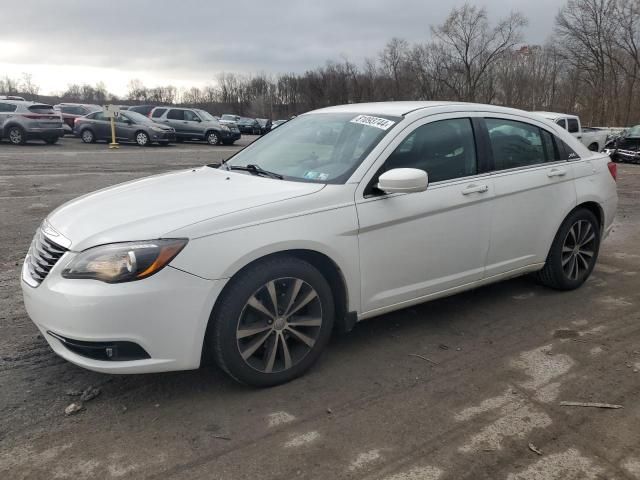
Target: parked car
x,y
230,118
249,125
21,121
12,97
277,123
71,111
348,213
130,127
142,109
196,124
593,138
626,146
265,125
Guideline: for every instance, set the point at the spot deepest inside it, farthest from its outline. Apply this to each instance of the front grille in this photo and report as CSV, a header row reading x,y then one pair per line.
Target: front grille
x,y
43,255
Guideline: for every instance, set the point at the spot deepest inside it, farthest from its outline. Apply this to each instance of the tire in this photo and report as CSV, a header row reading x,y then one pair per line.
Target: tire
x,y
573,253
142,139
231,344
212,138
51,140
179,139
16,136
229,142
163,144
88,136
593,147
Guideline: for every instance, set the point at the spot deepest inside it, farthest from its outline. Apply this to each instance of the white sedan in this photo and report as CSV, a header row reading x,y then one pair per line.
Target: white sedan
x,y
339,215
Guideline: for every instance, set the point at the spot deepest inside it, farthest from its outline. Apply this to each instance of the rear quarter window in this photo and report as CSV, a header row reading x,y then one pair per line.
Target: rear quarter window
x,y
573,125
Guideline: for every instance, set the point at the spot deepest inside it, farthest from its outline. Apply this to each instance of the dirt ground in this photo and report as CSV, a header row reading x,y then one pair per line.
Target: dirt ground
x,y
497,363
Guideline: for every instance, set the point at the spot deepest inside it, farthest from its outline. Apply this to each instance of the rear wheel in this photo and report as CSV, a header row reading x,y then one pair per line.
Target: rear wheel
x,y
573,253
88,136
17,136
142,139
272,322
212,138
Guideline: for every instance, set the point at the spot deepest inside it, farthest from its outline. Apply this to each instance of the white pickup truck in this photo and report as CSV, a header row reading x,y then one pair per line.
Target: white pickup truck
x,y
592,138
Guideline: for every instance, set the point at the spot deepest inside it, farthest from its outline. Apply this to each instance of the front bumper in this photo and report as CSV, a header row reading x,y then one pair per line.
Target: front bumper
x,y
163,136
631,156
230,135
166,315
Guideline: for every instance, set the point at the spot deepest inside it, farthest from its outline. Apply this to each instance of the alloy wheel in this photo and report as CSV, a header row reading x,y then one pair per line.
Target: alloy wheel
x,y
15,136
578,249
279,325
142,139
212,138
87,136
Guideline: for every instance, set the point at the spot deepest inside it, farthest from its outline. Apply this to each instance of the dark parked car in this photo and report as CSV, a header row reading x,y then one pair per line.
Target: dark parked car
x,y
71,111
265,125
130,127
142,109
249,125
626,147
21,121
196,124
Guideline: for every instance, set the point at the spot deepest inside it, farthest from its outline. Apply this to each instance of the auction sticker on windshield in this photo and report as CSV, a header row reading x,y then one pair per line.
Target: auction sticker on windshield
x,y
381,123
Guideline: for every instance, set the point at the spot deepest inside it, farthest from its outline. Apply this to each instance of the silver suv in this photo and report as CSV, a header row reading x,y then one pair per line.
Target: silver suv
x,y
21,121
195,124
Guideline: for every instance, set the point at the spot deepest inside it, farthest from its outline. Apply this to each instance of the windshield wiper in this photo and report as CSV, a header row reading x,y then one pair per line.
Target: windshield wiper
x,y
255,170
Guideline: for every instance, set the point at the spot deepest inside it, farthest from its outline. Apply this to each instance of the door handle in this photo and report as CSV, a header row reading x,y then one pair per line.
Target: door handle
x,y
473,188
557,172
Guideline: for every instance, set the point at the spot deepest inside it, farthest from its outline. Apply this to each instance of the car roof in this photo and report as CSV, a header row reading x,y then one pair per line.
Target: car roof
x,y
399,109
554,115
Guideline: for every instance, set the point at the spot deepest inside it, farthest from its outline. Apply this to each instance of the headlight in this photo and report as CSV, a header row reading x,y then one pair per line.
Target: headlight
x,y
224,127
157,129
124,262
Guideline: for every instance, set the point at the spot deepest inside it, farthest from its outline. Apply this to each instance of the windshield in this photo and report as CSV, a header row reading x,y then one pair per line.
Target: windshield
x,y
633,132
321,147
137,117
205,115
229,117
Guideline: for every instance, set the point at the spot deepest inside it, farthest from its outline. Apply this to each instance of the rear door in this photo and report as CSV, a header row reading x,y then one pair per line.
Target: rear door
x,y
175,118
101,125
125,128
534,187
6,112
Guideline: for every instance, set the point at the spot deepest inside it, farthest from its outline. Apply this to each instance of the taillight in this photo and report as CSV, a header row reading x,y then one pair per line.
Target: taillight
x,y
75,120
613,170
40,117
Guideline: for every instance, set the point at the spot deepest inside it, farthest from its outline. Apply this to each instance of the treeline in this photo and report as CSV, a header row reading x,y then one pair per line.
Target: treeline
x,y
589,66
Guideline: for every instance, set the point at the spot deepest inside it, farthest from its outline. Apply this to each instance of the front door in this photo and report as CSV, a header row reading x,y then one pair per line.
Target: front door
x,y
417,245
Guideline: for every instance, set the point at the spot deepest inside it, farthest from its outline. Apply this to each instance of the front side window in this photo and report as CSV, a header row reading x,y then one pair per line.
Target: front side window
x,y
7,107
318,147
175,114
444,149
573,125
190,116
515,144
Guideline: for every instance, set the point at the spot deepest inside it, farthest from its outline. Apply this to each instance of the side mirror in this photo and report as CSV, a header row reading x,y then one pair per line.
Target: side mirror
x,y
403,180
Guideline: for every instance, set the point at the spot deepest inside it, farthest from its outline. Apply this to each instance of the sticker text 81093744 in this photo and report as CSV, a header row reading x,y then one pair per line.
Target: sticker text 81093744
x,y
377,122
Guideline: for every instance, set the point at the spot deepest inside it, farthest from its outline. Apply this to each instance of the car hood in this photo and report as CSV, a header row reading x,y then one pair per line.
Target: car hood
x,y
151,207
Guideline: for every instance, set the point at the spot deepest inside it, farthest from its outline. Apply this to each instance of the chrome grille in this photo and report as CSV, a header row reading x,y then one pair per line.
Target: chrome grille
x,y
43,255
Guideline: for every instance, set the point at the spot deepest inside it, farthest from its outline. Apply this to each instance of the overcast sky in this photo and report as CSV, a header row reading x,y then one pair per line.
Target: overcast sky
x,y
188,42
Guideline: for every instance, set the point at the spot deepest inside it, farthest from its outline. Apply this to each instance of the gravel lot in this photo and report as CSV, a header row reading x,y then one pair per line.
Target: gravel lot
x,y
500,361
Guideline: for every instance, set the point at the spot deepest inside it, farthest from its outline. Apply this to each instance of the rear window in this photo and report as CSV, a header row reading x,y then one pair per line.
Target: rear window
x,y
7,107
158,112
41,108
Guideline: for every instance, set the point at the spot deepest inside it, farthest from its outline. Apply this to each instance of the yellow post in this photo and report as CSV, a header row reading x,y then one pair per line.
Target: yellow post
x,y
113,143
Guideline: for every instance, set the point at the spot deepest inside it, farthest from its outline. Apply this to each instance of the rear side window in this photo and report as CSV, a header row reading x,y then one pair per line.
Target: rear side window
x,y
565,151
175,114
515,144
158,112
574,126
444,149
7,107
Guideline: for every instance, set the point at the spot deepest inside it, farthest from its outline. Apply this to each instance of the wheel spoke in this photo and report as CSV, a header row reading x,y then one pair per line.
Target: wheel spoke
x,y
249,332
583,260
257,304
573,267
293,294
271,355
287,354
306,322
587,253
255,345
588,239
310,296
566,249
271,288
585,233
566,260
310,342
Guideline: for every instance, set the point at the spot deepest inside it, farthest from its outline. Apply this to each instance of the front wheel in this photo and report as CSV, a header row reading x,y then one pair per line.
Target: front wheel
x,y
573,253
272,322
142,139
212,138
